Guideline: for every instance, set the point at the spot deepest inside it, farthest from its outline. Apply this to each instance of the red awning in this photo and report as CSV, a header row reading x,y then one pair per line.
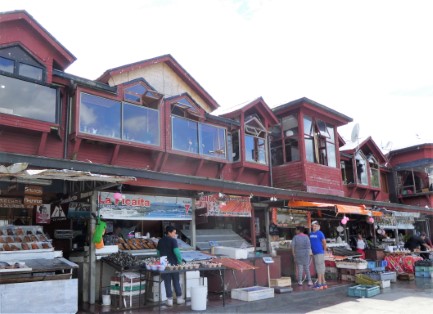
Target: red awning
x,y
341,209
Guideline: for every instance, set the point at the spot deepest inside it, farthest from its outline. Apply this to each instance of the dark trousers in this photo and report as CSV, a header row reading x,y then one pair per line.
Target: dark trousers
x,y
168,278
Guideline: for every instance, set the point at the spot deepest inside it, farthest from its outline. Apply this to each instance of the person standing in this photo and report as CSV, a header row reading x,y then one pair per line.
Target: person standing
x,y
301,248
167,246
360,245
318,247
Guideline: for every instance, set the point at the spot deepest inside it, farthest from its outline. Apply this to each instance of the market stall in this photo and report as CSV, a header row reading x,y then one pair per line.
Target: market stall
x,y
33,275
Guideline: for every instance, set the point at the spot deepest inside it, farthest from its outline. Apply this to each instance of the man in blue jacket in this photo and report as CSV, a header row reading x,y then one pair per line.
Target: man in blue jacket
x,y
167,246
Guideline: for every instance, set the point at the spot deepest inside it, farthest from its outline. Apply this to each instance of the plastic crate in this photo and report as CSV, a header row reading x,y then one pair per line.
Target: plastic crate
x,y
425,262
424,268
252,293
379,276
385,284
377,265
363,291
424,274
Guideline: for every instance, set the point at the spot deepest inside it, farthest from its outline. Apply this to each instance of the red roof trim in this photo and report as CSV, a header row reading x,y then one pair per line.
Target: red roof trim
x,y
24,17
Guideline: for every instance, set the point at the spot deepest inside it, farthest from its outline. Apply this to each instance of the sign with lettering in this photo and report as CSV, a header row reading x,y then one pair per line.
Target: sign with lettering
x,y
33,190
226,206
9,202
144,207
30,201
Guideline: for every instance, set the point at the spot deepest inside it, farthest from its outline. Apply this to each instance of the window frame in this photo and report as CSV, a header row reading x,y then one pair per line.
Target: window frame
x,y
195,145
319,142
257,132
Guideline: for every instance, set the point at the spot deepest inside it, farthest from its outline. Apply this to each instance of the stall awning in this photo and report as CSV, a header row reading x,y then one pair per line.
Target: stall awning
x,y
341,209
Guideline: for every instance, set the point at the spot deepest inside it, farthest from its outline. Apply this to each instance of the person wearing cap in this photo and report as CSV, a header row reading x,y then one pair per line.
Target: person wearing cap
x,y
318,247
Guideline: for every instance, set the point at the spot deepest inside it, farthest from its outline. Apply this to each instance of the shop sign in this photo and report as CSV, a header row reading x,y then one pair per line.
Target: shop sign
x,y
144,207
33,190
226,206
30,201
79,210
6,202
289,218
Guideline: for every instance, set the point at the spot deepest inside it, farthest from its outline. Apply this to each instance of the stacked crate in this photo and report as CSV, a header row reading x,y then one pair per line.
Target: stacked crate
x,y
424,271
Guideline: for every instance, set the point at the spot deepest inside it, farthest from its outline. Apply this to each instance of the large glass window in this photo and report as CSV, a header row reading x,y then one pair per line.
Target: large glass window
x,y
319,142
198,138
110,118
140,124
29,100
100,116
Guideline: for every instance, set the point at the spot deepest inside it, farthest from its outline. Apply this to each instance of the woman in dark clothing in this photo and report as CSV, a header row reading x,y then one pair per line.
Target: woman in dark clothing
x,y
167,246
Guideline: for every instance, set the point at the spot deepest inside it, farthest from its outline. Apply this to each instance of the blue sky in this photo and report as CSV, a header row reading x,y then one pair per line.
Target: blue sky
x,y
370,60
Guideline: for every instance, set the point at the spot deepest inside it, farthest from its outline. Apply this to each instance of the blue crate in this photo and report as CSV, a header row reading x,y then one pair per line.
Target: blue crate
x,y
424,268
424,274
363,291
377,265
380,276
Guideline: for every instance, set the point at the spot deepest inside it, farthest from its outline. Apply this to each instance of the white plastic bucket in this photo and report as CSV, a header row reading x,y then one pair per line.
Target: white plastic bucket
x,y
106,299
198,298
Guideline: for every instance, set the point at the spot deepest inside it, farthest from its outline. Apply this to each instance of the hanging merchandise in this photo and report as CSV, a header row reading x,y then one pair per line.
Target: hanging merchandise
x,y
98,238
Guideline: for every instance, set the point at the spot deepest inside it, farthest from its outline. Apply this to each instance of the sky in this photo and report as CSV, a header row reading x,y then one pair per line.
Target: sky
x,y
369,60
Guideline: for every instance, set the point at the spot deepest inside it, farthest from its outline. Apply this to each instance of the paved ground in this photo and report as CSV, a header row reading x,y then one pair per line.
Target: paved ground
x,y
402,297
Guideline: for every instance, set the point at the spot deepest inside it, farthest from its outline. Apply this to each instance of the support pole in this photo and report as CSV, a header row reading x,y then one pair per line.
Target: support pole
x,y
92,256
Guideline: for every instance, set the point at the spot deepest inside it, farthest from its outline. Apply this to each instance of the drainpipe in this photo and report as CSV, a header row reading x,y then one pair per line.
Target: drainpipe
x,y
70,93
270,162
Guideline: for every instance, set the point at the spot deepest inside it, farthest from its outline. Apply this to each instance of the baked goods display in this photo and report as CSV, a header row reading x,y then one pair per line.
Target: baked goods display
x,y
14,238
136,244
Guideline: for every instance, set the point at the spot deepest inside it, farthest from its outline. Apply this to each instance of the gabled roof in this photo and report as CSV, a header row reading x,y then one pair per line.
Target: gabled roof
x,y
340,118
352,147
258,104
62,57
173,64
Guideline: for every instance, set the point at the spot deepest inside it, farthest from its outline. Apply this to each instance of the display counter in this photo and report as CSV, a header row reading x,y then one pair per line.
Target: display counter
x,y
34,277
401,263
42,286
241,278
288,268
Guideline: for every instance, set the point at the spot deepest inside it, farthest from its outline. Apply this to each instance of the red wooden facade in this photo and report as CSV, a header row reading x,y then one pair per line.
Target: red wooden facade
x,y
294,146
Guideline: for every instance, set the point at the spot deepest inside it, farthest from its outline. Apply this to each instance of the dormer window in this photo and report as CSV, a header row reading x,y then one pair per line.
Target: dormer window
x,y
374,171
361,168
319,142
255,140
16,61
141,93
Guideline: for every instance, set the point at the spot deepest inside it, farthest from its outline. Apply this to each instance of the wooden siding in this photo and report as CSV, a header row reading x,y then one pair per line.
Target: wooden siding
x,y
289,176
323,179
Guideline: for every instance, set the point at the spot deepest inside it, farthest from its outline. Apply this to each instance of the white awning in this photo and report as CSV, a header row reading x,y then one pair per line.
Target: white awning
x,y
18,173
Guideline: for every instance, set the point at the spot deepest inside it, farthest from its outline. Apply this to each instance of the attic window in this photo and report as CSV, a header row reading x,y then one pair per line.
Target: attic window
x,y
184,107
255,141
141,94
16,61
254,126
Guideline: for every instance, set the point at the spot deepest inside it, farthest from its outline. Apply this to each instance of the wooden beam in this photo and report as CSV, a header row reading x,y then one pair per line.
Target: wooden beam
x,y
42,143
199,166
115,154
